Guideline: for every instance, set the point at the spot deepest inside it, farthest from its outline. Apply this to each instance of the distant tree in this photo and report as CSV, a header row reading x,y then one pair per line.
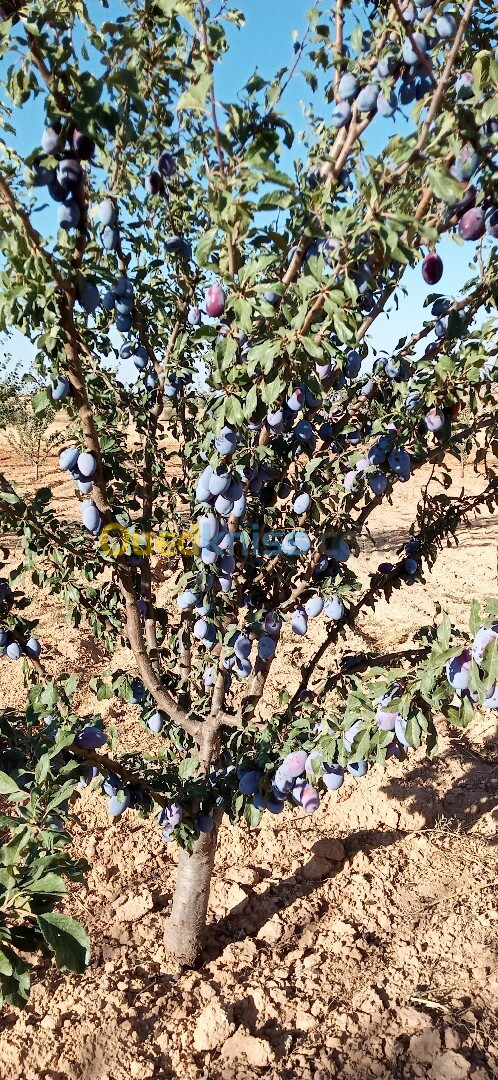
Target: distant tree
x,y
25,432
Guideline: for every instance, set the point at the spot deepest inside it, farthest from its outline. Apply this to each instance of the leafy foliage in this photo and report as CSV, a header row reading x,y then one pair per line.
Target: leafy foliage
x,y
240,273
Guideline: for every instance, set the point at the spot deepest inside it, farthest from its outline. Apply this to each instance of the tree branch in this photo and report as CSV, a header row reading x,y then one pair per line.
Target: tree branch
x,y
16,209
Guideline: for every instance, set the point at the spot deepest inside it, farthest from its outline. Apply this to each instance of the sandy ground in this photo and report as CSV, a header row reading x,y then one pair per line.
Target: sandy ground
x,y
360,943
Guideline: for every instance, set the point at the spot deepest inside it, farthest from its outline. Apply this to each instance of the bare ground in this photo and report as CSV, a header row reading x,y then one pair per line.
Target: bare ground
x,y
376,961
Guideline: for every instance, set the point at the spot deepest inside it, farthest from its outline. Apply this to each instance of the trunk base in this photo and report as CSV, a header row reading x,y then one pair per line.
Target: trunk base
x,y
185,928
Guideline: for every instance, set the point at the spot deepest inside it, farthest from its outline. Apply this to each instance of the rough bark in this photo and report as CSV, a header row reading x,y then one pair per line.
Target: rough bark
x,y
185,928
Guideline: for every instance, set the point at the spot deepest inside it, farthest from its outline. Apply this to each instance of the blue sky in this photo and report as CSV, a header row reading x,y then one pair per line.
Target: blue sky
x,y
266,44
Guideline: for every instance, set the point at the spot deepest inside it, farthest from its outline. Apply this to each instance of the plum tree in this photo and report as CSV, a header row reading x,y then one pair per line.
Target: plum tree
x,y
23,427
241,288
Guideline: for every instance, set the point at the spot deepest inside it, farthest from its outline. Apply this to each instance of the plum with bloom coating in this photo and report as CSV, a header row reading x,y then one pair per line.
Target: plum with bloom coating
x,y
432,269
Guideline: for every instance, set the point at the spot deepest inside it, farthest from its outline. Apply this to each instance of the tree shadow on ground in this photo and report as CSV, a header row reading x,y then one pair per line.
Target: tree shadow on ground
x,y
380,540
463,806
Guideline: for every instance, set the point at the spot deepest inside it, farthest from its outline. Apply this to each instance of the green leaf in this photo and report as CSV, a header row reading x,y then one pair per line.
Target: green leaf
x,y
171,8
14,983
10,853
195,97
188,768
41,401
233,411
7,785
42,769
9,497
251,402
342,330
314,350
413,732
5,964
475,617
444,186
50,883
357,38
489,109
68,940
444,632
252,815
206,245
253,267
463,716
271,391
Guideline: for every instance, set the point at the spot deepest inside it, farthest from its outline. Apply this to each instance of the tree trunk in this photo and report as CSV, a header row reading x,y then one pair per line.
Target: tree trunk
x,y
185,928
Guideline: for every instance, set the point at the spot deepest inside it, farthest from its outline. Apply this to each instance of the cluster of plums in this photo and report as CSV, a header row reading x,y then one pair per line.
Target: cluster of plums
x,y
81,465
143,362
12,645
298,777
68,147
295,780
166,168
458,669
119,299
385,453
410,62
137,352
201,819
237,652
14,649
